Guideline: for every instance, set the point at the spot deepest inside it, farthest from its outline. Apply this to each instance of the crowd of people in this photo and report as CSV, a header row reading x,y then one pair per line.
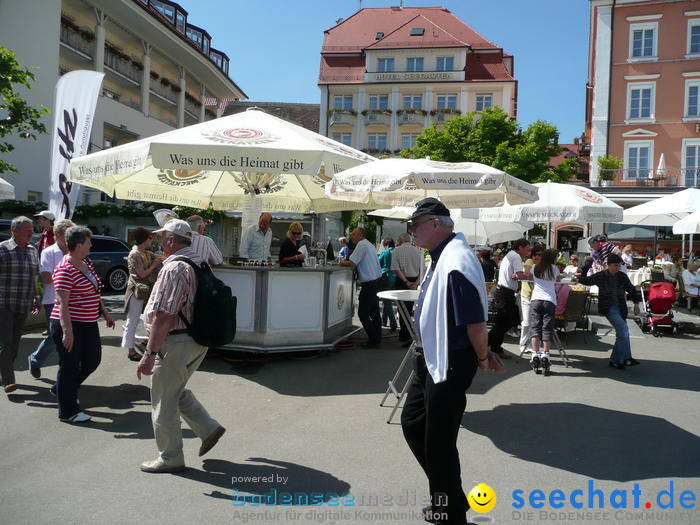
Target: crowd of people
x,y
162,288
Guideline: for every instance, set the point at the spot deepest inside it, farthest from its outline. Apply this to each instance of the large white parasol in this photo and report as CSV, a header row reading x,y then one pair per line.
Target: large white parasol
x,y
466,221
403,182
224,162
665,211
7,190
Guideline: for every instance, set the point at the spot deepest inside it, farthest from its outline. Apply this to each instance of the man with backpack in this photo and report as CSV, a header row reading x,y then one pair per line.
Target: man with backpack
x,y
172,355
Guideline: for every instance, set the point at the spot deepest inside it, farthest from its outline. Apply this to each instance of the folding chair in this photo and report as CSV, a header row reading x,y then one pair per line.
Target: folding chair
x,y
575,312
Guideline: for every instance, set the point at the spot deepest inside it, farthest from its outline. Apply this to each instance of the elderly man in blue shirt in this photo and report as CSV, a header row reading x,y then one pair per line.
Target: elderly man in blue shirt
x,y
364,258
450,319
257,238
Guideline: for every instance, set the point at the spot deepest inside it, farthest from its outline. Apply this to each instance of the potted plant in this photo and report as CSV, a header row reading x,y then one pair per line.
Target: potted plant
x,y
608,166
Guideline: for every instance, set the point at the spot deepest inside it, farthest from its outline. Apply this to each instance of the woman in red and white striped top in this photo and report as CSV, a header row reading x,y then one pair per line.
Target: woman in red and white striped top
x,y
74,322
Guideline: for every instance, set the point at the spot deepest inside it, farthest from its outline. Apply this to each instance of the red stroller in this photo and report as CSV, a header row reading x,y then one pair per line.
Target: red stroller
x,y
658,299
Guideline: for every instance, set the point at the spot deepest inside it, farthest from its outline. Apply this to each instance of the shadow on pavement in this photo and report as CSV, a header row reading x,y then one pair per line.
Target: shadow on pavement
x,y
594,442
348,372
659,374
285,477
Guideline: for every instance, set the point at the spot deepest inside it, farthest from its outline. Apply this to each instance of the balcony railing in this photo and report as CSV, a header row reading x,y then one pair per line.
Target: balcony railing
x,y
374,117
649,177
164,91
117,63
410,118
192,108
345,116
77,41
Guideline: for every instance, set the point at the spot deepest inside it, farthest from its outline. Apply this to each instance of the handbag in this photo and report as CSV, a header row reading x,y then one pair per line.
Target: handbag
x,y
142,291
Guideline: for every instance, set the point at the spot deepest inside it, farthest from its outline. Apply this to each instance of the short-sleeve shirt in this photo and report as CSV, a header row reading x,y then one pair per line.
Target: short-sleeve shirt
x,y
545,289
84,291
463,303
175,289
525,287
289,249
365,258
255,244
50,258
408,259
206,248
19,267
511,263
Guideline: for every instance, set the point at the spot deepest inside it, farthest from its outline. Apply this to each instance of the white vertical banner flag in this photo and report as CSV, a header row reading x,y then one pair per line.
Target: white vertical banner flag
x,y
74,110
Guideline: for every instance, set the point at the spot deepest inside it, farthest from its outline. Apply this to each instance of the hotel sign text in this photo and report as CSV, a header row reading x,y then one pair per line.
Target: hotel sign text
x,y
413,76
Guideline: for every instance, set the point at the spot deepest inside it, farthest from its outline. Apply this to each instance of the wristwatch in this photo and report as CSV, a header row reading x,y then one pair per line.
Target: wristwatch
x,y
151,352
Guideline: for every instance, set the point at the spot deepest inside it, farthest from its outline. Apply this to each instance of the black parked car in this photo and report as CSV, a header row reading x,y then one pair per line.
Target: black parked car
x,y
109,255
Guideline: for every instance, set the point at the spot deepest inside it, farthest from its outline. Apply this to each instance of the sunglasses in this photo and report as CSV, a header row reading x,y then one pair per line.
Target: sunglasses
x,y
296,233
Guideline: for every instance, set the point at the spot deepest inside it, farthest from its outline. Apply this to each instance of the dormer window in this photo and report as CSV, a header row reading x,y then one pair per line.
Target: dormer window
x,y
379,35
417,31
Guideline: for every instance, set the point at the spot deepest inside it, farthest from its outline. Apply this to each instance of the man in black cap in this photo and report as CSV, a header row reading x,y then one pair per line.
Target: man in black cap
x,y
450,319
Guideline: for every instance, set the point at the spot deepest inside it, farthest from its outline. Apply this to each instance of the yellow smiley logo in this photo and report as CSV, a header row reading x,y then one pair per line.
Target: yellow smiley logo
x,y
481,498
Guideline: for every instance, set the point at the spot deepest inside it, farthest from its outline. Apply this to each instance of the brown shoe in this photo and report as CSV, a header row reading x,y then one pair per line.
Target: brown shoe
x,y
209,442
10,388
158,466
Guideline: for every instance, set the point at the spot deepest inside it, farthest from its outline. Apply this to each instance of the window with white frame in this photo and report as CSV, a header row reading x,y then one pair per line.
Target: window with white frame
x,y
385,65
376,140
342,102
691,162
445,63
412,101
379,102
345,138
641,100
484,101
408,140
638,158
414,64
643,40
447,101
694,36
692,99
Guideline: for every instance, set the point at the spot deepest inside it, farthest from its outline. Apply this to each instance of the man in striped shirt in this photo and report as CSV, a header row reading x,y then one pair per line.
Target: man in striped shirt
x,y
201,244
19,268
601,248
172,356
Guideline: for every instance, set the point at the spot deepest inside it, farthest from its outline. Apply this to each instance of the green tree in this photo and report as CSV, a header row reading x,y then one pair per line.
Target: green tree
x,y
492,137
17,117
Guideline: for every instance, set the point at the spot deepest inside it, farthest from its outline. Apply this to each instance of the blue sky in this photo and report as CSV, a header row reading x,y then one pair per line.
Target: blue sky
x,y
274,47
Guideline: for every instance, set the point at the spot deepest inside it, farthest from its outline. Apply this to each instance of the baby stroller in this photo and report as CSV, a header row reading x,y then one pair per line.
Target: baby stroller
x,y
657,300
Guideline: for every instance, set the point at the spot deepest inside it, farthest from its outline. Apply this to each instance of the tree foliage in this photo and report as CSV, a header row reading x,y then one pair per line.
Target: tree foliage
x,y
492,137
17,117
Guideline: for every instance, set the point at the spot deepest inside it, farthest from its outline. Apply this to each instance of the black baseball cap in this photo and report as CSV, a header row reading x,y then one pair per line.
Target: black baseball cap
x,y
429,206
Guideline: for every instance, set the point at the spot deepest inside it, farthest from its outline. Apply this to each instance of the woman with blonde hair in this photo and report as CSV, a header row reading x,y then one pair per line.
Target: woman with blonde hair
x,y
290,256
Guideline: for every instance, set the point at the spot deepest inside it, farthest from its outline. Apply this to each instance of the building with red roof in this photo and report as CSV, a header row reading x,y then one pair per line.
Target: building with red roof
x,y
387,73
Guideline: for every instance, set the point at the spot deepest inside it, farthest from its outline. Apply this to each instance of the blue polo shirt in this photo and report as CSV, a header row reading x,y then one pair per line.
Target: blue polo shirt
x,y
365,258
463,307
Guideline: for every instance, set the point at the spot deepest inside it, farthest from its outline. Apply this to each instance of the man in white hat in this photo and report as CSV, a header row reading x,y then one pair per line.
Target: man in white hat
x,y
45,221
172,356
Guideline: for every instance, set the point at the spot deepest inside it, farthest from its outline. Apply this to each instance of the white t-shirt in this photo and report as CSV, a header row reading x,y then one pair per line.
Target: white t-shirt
x,y
511,263
544,289
50,257
688,279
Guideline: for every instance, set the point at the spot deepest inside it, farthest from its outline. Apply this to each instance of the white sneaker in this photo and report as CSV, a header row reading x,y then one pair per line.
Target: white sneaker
x,y
80,417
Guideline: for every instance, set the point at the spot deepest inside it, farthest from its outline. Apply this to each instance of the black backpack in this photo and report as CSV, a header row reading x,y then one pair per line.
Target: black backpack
x,y
214,320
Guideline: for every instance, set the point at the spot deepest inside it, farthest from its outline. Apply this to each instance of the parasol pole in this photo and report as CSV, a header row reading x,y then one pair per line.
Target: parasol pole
x,y
682,245
548,243
656,235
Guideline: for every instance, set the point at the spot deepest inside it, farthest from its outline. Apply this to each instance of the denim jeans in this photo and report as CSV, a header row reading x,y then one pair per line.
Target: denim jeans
x,y
621,348
47,345
368,311
388,313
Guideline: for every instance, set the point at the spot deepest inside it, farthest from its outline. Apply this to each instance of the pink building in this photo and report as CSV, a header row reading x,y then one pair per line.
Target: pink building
x,y
643,96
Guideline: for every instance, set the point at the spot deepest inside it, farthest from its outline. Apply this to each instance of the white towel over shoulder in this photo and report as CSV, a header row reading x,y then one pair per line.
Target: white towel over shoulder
x,y
457,255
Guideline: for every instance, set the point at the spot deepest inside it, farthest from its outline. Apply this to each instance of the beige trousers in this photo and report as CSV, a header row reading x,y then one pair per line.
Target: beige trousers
x,y
170,399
